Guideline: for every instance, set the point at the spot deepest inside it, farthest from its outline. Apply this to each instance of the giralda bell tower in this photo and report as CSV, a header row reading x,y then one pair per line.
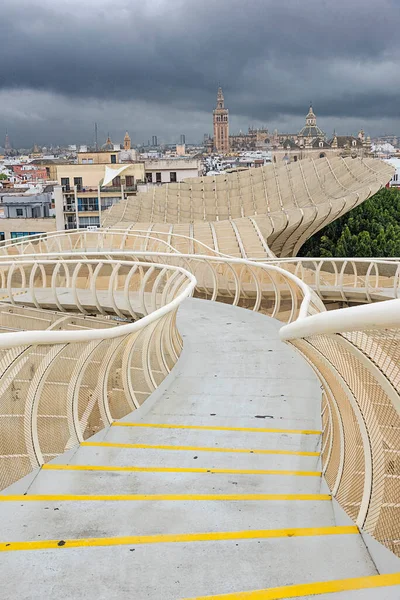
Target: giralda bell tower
x,y
221,125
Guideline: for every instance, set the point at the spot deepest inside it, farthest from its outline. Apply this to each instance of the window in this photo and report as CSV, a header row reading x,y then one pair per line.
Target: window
x,y
354,143
90,161
78,183
116,182
172,176
65,184
129,180
149,177
19,234
85,221
158,177
113,159
84,161
88,204
20,212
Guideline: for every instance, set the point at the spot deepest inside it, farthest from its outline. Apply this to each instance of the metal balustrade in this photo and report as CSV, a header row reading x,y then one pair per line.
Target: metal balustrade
x,y
354,280
355,353
65,282
104,371
70,377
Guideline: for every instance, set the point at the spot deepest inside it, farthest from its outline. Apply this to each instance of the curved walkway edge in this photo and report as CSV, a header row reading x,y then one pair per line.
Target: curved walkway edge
x,y
213,487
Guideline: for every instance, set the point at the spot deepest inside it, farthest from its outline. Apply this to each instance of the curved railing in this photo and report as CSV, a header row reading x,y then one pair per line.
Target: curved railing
x,y
355,352
335,280
60,280
105,239
348,280
62,384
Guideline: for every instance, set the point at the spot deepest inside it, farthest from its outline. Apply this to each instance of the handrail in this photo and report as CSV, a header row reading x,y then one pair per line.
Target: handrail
x,y
354,352
14,339
126,233
356,318
308,294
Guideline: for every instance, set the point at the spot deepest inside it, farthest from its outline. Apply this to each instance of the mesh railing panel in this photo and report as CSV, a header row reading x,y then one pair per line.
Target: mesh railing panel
x,y
361,370
52,396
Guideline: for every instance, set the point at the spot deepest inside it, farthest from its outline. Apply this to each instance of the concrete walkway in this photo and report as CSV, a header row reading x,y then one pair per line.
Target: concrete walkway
x,y
216,488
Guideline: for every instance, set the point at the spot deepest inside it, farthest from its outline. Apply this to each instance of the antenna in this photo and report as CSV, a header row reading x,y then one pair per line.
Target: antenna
x,y
96,145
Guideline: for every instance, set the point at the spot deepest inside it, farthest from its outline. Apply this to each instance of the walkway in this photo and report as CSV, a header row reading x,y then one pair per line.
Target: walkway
x,y
205,495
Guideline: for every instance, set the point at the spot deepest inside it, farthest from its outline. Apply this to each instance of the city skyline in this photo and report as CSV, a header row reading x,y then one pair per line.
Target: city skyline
x,y
156,67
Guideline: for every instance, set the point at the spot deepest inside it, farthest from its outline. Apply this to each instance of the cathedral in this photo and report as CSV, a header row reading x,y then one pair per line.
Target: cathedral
x,y
310,141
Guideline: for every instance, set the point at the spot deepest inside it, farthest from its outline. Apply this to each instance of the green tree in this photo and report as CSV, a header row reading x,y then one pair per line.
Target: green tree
x,y
371,229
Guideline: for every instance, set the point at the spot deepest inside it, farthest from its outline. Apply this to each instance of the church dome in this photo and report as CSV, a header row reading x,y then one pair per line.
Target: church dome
x,y
311,128
108,145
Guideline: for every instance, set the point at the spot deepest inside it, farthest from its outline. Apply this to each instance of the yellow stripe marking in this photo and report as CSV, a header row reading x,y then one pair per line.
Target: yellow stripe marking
x,y
177,538
161,497
199,449
310,589
216,428
50,467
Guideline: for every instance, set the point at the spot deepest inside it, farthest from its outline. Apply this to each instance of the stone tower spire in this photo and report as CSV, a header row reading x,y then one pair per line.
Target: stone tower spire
x,y
127,142
220,98
221,125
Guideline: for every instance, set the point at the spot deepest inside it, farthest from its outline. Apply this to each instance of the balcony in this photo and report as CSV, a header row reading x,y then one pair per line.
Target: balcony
x,y
72,208
117,188
93,208
83,189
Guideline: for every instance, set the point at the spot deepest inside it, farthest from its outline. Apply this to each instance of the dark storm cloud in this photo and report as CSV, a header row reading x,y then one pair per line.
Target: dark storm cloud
x,y
271,57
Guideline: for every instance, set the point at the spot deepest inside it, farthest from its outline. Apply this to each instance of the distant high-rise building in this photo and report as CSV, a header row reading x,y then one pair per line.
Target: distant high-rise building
x,y
221,125
182,139
154,141
127,142
7,144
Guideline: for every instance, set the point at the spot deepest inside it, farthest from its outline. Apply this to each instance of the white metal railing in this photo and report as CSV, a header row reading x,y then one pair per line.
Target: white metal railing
x,y
352,280
63,384
261,287
103,239
356,354
101,287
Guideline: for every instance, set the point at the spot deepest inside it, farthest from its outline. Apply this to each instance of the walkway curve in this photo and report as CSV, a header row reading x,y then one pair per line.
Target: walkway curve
x,y
232,376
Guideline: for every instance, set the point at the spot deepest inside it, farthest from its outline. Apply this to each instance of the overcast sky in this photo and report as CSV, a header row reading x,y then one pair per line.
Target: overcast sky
x,y
152,67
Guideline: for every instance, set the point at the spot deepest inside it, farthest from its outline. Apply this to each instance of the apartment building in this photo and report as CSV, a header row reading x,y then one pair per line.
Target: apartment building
x,y
84,183
171,170
22,215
